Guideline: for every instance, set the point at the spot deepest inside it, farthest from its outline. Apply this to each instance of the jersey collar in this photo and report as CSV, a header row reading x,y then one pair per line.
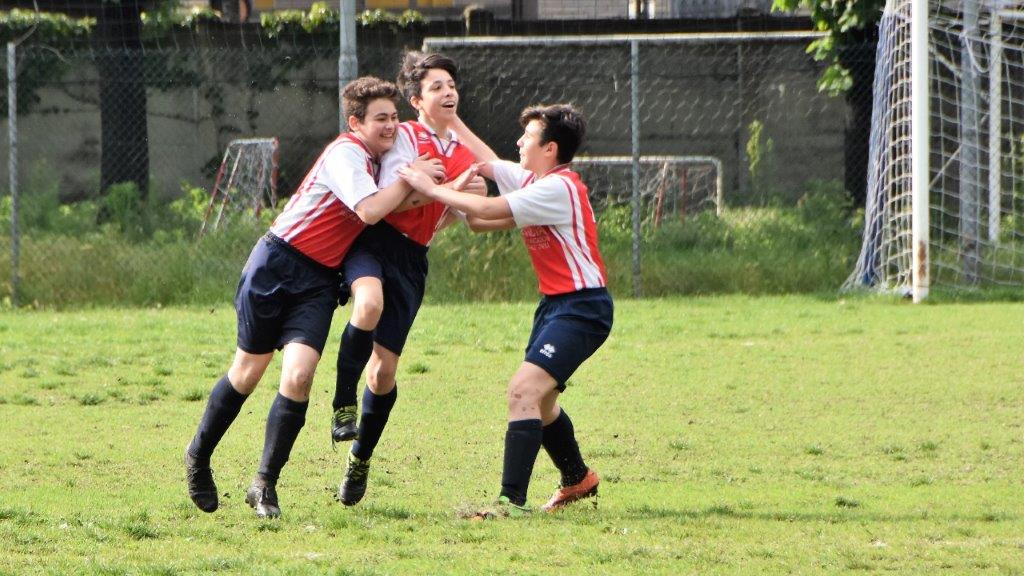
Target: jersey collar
x,y
555,170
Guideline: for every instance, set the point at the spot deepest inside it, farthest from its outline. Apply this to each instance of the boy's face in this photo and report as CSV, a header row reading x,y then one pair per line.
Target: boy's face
x,y
379,127
533,155
439,98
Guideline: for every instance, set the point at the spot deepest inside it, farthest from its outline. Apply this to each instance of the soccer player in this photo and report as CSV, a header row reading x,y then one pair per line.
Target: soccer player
x,y
290,287
546,199
392,256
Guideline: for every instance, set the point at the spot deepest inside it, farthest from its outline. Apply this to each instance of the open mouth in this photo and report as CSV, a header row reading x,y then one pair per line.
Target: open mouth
x,y
449,105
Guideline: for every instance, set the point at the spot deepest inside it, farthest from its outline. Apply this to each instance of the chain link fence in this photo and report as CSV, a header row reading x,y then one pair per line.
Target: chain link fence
x,y
150,127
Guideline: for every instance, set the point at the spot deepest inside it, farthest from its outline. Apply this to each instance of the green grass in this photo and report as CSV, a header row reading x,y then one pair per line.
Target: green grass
x,y
734,435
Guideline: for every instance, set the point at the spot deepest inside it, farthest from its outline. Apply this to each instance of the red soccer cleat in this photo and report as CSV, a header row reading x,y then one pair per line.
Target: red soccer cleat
x,y
569,494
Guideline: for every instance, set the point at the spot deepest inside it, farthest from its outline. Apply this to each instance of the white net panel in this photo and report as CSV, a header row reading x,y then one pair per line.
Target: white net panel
x,y
246,182
671,187
976,173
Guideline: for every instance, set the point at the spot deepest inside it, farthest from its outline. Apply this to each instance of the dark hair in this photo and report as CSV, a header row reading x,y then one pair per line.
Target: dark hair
x,y
358,94
563,125
415,67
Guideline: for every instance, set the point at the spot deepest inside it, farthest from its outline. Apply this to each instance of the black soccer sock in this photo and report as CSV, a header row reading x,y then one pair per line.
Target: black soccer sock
x,y
560,443
354,353
284,421
372,421
221,409
522,443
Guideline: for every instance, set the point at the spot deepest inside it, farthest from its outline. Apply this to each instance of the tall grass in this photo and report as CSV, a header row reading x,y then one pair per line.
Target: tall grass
x,y
156,260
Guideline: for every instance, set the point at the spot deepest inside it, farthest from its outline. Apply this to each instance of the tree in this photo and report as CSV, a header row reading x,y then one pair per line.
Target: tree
x,y
849,47
124,127
232,10
124,154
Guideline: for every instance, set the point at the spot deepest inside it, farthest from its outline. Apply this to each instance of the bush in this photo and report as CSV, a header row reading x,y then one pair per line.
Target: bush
x,y
148,254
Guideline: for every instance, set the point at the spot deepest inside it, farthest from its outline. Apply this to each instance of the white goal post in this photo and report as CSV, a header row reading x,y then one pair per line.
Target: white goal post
x,y
945,198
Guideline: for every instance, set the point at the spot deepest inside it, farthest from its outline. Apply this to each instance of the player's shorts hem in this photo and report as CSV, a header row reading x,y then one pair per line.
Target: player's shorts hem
x,y
559,381
389,346
303,340
253,351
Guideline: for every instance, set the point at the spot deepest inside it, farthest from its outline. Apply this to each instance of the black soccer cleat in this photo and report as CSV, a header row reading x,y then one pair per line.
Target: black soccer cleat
x,y
262,497
343,424
353,485
201,488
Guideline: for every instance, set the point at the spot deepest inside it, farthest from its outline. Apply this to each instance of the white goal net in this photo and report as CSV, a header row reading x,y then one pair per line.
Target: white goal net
x,y
246,182
671,187
972,224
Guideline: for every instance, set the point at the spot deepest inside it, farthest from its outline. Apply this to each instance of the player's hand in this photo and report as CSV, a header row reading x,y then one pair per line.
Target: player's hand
x,y
420,181
465,181
431,166
477,185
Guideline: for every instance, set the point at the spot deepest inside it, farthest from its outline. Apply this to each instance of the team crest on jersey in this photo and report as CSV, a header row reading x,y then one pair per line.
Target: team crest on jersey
x,y
548,350
423,137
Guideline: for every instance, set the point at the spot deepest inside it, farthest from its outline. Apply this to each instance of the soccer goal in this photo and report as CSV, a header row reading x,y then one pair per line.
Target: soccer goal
x,y
671,187
246,181
945,203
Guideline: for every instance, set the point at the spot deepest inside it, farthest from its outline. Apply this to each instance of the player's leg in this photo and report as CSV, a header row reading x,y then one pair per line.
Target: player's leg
x,y
304,332
559,441
405,274
528,387
567,330
354,353
222,407
286,418
259,325
362,272
574,328
378,400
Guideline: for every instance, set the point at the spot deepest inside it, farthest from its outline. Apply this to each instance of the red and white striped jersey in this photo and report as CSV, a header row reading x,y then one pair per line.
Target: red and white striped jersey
x,y
318,219
557,224
415,139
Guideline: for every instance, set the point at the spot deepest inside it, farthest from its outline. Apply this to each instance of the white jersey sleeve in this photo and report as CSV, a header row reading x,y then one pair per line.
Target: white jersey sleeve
x,y
401,154
545,202
344,173
509,176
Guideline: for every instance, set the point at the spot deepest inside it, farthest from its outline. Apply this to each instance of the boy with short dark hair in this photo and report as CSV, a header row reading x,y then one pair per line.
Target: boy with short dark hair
x,y
393,256
548,201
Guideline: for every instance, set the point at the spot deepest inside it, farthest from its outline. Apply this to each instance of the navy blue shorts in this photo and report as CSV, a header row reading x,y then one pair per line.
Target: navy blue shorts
x,y
283,297
568,329
383,252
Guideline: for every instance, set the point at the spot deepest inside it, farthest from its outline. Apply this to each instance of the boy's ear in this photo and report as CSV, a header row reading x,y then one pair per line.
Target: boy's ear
x,y
415,101
552,147
353,123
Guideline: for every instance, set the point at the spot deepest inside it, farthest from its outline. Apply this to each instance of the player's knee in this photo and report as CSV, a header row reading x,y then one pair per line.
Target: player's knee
x,y
297,378
366,311
244,376
381,376
522,393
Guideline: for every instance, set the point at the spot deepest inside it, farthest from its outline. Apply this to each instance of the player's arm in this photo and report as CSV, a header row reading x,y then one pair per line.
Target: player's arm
x,y
470,183
402,154
480,225
478,147
484,207
378,205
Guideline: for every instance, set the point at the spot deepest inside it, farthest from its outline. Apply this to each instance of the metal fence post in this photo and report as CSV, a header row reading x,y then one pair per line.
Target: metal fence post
x,y
634,106
12,137
348,62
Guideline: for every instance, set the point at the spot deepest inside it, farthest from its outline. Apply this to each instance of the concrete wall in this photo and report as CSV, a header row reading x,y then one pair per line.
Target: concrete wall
x,y
695,100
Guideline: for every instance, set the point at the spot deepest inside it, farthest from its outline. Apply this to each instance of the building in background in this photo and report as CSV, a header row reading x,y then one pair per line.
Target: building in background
x,y
546,9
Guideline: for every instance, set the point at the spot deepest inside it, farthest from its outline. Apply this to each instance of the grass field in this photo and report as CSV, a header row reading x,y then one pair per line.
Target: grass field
x,y
735,435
